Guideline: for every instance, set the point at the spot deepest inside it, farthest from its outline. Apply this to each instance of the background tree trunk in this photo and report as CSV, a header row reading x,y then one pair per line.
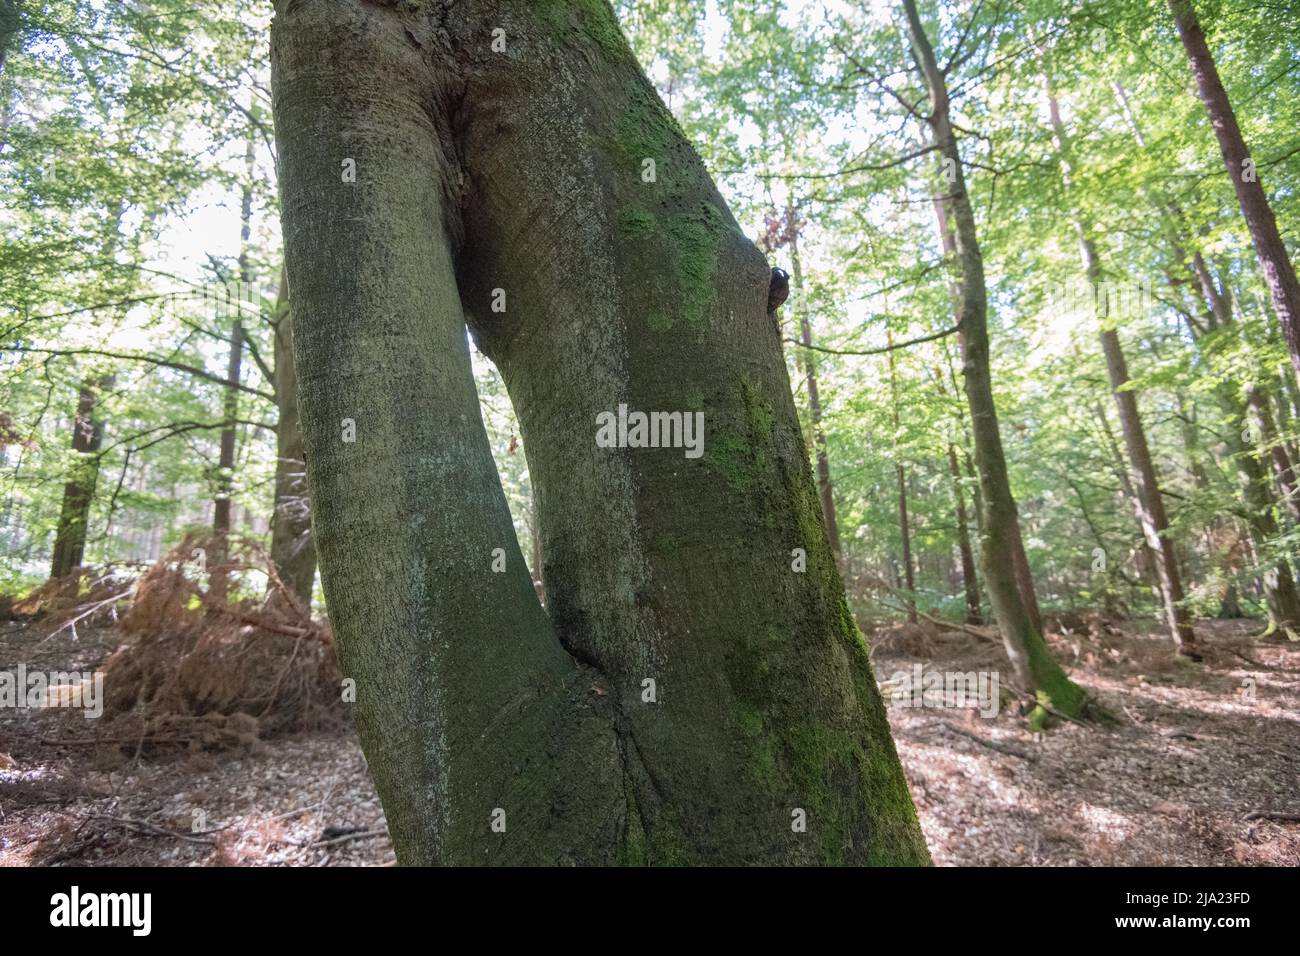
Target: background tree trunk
x,y
218,551
1034,666
1151,511
1279,273
1283,471
825,490
1281,597
10,18
83,475
1280,594
968,574
904,524
1153,519
292,548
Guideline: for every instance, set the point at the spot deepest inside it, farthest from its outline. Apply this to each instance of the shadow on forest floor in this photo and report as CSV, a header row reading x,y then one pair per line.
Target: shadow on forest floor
x,y
1174,781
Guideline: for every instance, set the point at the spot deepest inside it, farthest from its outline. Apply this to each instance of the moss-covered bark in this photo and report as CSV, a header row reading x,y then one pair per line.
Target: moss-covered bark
x,y
658,567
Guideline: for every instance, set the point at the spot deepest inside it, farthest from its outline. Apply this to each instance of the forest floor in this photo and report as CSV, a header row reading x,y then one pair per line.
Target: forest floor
x,y
1197,758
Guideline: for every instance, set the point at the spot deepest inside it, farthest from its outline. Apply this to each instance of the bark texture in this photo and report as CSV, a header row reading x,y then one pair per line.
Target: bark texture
x,y
465,701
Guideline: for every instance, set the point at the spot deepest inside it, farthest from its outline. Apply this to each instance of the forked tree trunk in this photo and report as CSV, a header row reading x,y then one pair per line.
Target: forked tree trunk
x,y
83,475
1035,668
762,738
1279,272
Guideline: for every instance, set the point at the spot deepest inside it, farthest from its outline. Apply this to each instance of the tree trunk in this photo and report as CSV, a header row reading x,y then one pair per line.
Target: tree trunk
x,y
219,581
1146,559
969,579
218,551
1262,413
1025,577
1152,515
1020,561
610,290
9,22
1289,398
1034,666
1281,596
83,475
1188,428
292,549
904,525
825,490
1279,273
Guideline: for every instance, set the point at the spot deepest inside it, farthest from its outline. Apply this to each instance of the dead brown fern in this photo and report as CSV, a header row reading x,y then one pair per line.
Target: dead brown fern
x,y
213,674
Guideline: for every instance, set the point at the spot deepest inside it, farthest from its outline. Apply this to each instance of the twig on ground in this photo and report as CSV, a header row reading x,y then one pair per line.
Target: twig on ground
x,y
198,836
363,835
992,744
